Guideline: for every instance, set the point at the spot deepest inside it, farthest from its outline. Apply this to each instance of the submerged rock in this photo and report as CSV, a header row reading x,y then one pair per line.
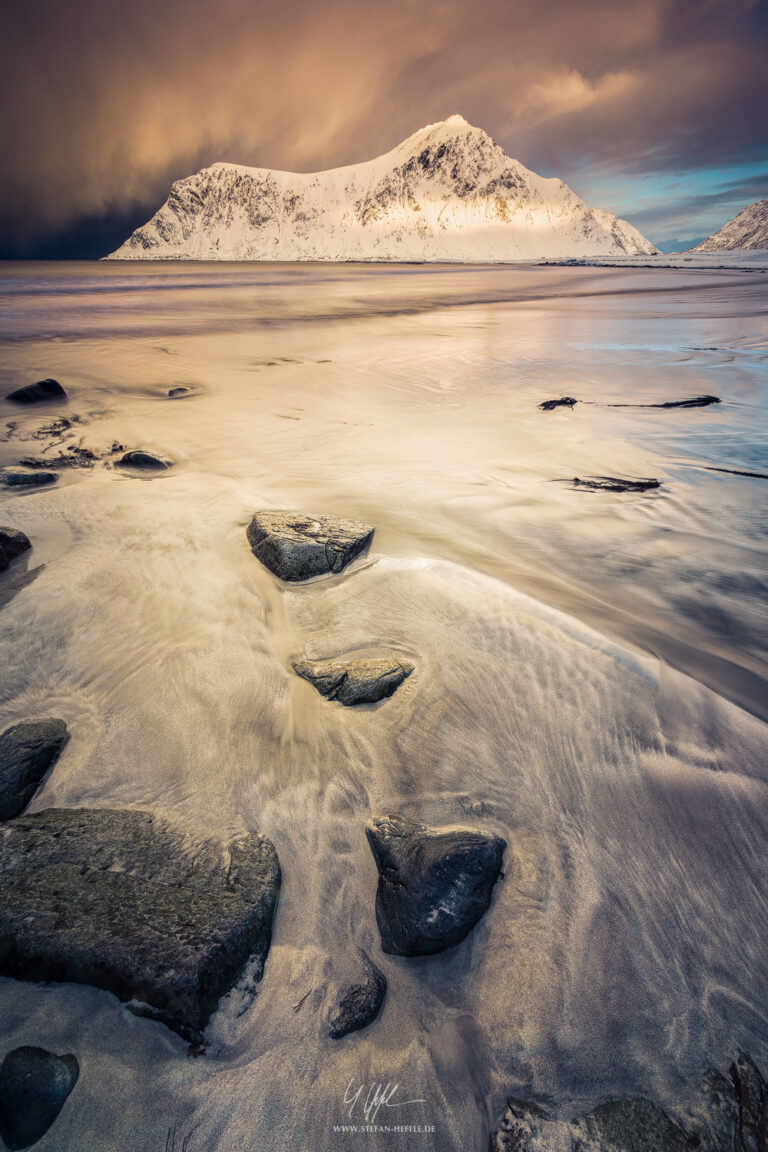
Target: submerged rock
x,y
691,402
12,544
111,898
144,462
615,484
733,1118
28,751
297,547
434,883
563,402
34,1086
26,478
355,681
360,1003
73,457
40,393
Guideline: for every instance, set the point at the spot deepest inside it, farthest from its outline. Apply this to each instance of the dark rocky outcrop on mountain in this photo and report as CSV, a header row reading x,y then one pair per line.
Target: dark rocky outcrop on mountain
x,y
118,899
12,544
28,751
294,546
34,1087
434,883
359,1004
41,393
350,680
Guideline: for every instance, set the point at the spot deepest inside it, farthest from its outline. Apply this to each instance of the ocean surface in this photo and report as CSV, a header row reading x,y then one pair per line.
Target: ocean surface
x,y
590,671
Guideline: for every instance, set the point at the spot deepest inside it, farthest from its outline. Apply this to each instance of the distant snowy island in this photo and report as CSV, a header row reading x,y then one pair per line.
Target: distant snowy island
x,y
447,193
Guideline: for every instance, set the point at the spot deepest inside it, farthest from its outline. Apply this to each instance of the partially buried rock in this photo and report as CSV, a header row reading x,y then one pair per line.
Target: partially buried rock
x,y
360,1003
28,751
434,883
297,547
119,900
615,484
175,393
563,402
34,1086
732,1116
26,478
40,393
144,462
355,681
12,544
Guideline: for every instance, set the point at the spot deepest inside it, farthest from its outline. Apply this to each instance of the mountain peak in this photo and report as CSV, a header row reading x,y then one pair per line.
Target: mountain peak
x,y
447,193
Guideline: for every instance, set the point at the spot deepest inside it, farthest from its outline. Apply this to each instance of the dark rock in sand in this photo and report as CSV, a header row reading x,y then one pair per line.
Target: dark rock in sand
x,y
691,402
360,1003
113,898
434,883
34,1086
26,478
173,393
297,547
12,544
73,457
40,393
615,484
28,751
144,462
355,681
563,402
733,1117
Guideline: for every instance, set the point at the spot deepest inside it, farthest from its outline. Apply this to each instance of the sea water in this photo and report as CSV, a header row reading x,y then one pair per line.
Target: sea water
x,y
590,672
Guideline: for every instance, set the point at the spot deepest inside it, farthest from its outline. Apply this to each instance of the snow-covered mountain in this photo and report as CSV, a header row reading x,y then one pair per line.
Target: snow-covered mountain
x,y
446,193
747,230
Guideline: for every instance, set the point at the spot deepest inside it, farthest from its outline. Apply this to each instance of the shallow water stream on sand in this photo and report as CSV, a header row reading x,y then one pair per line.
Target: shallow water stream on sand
x,y
590,671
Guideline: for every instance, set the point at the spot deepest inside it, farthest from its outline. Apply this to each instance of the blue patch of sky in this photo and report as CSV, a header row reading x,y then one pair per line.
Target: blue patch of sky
x,y
676,210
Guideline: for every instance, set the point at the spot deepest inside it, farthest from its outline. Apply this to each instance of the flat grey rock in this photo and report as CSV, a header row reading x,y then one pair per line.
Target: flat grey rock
x,y
26,478
34,1086
434,883
40,393
144,462
12,544
353,680
359,1003
294,546
28,751
114,898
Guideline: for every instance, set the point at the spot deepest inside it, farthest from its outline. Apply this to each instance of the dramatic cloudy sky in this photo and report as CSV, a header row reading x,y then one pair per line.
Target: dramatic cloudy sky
x,y
655,109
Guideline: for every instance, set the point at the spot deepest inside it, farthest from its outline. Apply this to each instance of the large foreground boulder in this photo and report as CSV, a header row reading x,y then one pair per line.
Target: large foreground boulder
x,y
353,680
732,1116
117,899
434,883
28,751
359,1003
12,544
297,547
34,1086
41,393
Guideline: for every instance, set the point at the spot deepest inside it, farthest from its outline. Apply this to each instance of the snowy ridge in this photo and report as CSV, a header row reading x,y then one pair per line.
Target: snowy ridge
x,y
748,230
447,193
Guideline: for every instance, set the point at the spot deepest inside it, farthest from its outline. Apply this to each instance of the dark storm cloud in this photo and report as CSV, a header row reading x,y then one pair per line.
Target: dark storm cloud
x,y
105,104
